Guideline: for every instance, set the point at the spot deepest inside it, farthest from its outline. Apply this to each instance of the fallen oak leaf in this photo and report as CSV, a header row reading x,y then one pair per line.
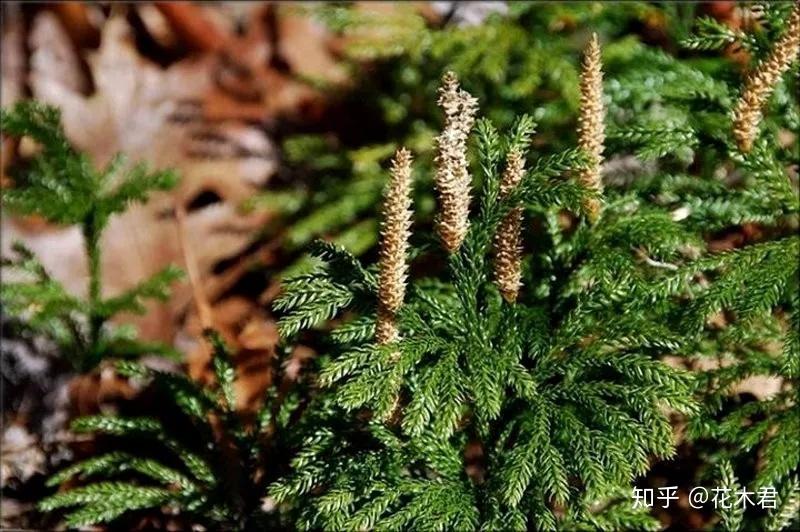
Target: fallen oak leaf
x,y
135,107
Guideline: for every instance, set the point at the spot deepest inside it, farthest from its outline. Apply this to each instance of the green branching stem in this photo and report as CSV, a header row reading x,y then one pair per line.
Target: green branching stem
x,y
91,228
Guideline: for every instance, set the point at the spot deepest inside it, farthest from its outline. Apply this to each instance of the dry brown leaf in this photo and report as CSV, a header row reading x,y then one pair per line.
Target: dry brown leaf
x,y
98,391
252,338
12,57
305,44
201,117
133,101
155,115
22,456
192,26
78,20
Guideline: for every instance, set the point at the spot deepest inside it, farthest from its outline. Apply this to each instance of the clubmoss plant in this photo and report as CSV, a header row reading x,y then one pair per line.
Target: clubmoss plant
x,y
61,185
198,456
721,149
486,411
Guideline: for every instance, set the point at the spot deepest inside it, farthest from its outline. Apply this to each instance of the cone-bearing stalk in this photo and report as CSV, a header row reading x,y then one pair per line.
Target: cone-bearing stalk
x,y
761,82
452,172
395,230
507,240
591,128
